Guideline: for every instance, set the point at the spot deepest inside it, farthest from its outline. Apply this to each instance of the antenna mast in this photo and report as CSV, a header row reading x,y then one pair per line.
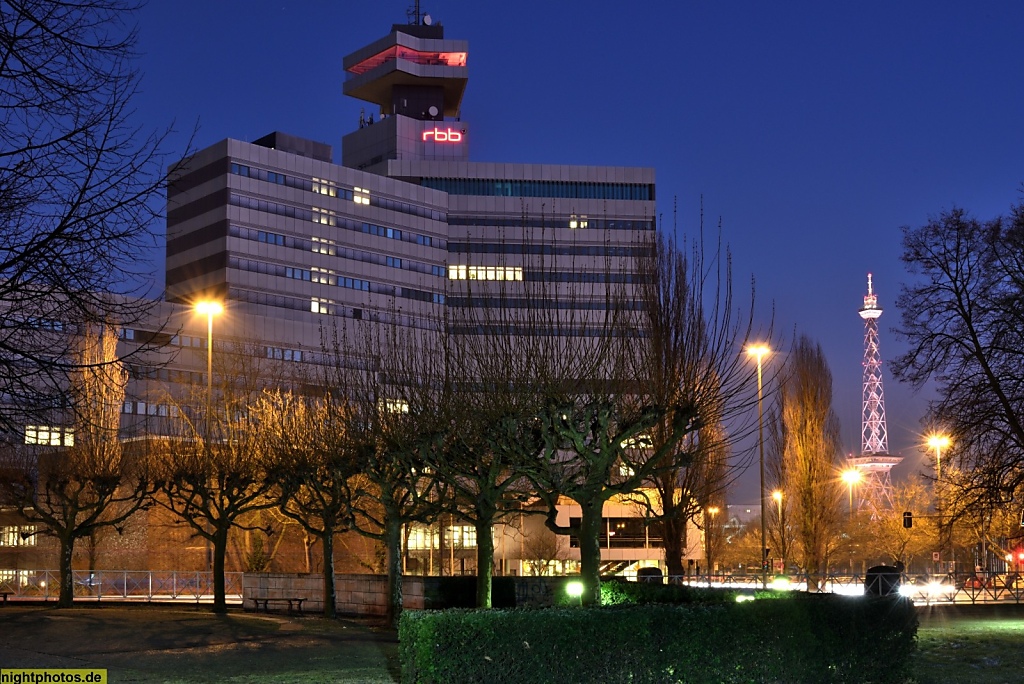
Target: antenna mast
x,y
414,15
874,463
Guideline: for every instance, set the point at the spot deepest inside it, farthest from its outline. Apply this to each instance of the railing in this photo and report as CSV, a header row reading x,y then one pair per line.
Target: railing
x,y
124,585
959,588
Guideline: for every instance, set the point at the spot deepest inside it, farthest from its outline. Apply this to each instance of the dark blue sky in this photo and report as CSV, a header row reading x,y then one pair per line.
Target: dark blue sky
x,y
813,130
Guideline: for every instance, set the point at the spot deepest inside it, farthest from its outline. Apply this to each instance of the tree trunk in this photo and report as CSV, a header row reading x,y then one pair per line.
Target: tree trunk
x,y
484,563
590,552
67,578
675,544
393,545
330,598
220,549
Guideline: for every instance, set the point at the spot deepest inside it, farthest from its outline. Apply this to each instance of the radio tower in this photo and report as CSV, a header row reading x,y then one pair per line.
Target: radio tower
x,y
874,462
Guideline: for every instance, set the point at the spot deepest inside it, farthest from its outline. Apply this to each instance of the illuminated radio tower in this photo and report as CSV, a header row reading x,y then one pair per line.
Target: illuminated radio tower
x,y
874,462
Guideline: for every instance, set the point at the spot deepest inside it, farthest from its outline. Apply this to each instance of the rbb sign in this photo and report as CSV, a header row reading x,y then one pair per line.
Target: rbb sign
x,y
448,135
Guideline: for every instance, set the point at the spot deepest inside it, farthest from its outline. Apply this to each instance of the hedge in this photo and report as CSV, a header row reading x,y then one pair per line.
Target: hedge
x,y
808,638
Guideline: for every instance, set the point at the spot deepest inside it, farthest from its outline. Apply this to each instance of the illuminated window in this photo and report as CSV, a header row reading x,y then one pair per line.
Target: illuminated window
x,y
395,405
423,538
360,196
626,471
577,221
49,436
12,535
323,246
322,306
324,187
324,216
460,537
462,272
324,276
638,442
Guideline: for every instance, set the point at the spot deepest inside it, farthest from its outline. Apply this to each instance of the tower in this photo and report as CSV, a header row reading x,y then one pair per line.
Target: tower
x,y
874,462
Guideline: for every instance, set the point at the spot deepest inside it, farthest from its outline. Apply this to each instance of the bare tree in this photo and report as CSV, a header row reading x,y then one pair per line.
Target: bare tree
x,y
215,471
95,481
804,451
963,318
690,357
78,186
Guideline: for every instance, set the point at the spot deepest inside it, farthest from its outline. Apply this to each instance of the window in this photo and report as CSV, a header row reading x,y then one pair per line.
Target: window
x,y
324,216
15,535
324,276
322,306
324,187
395,405
577,221
360,195
423,538
280,354
460,537
462,272
324,246
49,436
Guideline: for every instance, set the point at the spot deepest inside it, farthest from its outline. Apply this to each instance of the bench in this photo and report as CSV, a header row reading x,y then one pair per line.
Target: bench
x,y
293,603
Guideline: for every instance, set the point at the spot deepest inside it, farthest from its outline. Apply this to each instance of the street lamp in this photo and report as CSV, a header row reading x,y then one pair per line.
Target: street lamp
x,y
851,477
759,351
777,495
938,442
209,309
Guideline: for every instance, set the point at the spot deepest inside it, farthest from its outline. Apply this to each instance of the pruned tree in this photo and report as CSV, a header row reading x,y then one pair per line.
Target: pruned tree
x,y
386,376
214,469
79,189
93,481
804,453
315,462
963,319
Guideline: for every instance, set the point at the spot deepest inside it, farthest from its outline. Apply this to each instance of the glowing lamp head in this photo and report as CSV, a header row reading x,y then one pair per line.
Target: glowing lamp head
x,y
851,476
938,441
574,588
713,510
758,351
777,495
209,308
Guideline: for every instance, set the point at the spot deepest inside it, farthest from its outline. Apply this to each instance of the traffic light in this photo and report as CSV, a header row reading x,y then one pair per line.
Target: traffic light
x,y
908,519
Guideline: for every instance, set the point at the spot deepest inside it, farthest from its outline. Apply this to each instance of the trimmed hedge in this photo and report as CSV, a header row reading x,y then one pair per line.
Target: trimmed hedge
x,y
619,592
460,592
810,638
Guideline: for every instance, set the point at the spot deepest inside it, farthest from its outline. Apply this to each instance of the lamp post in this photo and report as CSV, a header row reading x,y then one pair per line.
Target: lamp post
x,y
759,351
708,534
209,309
851,477
939,442
777,495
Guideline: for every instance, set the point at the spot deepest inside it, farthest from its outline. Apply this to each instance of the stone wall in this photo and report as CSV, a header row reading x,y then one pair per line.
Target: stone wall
x,y
362,595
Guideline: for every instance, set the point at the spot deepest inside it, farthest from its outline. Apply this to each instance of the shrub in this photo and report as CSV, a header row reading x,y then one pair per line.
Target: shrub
x,y
806,639
618,592
460,592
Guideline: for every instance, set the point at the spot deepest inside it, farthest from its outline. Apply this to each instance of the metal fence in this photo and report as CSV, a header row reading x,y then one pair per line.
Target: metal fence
x,y
124,585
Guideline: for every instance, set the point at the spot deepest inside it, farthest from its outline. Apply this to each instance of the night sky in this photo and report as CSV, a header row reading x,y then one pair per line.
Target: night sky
x,y
812,130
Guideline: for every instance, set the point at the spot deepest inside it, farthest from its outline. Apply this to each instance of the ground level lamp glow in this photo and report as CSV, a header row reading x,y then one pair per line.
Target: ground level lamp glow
x,y
759,351
575,590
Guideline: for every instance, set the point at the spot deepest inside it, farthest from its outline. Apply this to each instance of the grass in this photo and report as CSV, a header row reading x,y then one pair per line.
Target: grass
x,y
149,644
981,644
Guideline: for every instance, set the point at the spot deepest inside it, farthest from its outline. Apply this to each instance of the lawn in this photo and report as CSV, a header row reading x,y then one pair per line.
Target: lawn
x,y
155,644
149,644
982,644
